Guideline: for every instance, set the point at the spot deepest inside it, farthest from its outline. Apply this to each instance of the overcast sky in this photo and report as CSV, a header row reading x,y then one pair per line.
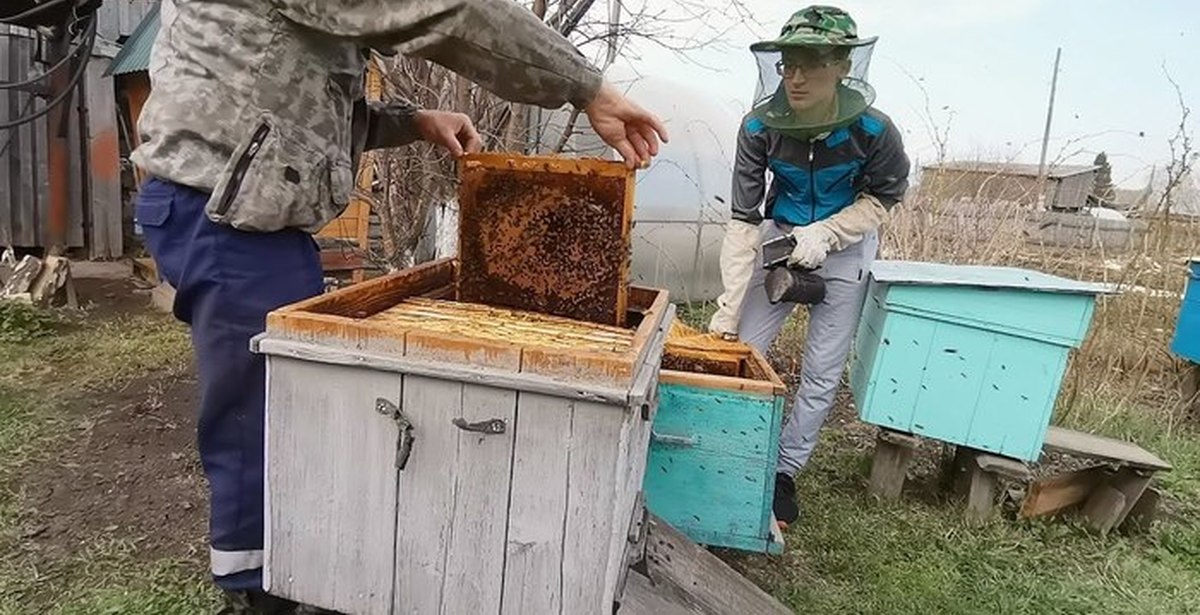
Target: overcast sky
x,y
989,63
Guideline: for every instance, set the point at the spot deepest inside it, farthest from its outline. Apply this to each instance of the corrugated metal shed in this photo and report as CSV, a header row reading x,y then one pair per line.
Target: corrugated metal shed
x,y
135,53
95,209
24,166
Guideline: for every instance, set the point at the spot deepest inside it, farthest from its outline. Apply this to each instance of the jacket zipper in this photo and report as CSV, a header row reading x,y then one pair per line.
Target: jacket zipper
x,y
239,170
812,181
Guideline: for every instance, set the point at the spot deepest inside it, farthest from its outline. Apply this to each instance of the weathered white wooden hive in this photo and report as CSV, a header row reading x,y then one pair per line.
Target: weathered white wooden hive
x,y
426,455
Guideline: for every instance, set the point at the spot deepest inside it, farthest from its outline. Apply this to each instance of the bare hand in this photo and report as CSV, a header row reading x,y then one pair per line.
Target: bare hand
x,y
628,128
453,131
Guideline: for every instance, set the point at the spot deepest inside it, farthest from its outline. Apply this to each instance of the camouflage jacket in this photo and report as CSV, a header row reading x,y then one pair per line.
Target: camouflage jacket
x,y
259,101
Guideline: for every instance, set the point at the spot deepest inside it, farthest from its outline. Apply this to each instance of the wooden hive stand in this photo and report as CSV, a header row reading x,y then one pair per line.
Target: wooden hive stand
x,y
1115,494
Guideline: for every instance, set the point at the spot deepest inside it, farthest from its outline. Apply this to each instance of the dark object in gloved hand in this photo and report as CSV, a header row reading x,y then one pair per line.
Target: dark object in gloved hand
x,y
785,283
795,286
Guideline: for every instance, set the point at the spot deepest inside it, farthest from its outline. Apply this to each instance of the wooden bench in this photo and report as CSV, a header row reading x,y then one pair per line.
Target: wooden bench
x,y
1116,492
1108,495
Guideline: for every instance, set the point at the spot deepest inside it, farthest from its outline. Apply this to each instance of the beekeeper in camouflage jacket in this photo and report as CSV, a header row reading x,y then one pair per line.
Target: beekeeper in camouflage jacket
x,y
838,166
251,137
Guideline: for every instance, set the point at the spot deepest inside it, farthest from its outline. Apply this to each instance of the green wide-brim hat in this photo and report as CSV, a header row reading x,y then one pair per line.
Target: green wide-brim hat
x,y
817,26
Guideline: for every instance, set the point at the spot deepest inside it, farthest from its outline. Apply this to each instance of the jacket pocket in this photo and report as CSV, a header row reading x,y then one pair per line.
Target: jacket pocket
x,y
276,179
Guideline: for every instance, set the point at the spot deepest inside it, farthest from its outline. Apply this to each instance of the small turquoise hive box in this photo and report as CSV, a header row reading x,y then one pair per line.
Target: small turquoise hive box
x,y
968,355
1186,343
714,441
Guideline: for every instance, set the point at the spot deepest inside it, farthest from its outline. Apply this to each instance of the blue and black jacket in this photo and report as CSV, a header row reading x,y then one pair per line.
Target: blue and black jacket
x,y
812,180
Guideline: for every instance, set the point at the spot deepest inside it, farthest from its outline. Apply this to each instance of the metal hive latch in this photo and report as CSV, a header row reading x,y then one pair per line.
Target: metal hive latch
x,y
405,442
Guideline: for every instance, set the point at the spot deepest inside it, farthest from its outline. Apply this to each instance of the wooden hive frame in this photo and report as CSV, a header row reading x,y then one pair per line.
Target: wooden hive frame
x,y
547,234
340,318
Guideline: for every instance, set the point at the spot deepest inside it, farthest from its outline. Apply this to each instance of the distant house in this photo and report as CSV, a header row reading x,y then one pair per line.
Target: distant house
x,y
1131,199
1067,186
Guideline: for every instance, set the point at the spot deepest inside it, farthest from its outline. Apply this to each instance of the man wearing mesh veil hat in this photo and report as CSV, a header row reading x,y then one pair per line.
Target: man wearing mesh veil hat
x,y
837,166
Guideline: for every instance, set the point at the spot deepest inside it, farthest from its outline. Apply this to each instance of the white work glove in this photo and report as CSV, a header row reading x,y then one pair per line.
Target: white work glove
x,y
739,253
813,243
837,232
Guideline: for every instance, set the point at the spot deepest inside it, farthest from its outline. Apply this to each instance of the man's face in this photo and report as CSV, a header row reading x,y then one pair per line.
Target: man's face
x,y
811,75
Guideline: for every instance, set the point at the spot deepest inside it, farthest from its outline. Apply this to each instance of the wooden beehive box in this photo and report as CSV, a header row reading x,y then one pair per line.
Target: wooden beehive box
x,y
1186,342
714,443
518,487
967,355
546,233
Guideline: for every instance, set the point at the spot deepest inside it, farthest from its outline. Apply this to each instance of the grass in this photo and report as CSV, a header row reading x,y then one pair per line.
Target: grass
x,y
70,358
850,554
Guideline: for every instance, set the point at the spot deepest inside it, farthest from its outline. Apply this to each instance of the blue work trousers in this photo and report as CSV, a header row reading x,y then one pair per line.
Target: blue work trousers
x,y
226,281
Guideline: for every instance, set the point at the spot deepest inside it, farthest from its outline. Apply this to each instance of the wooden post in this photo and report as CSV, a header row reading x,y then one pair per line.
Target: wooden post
x,y
981,497
1144,513
1190,389
889,466
1104,511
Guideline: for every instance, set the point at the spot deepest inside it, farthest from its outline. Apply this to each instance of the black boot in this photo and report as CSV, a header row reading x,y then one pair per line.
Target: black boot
x,y
786,510
256,603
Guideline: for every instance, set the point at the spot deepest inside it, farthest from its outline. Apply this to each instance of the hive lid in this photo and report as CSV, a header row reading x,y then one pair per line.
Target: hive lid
x,y
941,274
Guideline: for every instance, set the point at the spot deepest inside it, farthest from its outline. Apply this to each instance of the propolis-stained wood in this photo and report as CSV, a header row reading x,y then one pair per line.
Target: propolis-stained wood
x,y
426,455
546,234
378,316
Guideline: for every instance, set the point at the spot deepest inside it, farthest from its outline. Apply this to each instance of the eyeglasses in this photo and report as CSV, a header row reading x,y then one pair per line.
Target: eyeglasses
x,y
788,68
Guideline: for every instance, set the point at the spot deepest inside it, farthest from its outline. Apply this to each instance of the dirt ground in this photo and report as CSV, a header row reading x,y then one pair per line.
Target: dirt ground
x,y
130,471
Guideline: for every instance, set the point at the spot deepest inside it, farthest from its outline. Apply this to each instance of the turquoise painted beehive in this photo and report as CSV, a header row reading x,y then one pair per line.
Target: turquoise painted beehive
x,y
968,355
714,441
1186,343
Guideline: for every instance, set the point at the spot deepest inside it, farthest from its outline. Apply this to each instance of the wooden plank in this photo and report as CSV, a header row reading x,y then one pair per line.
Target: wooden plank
x,y
477,545
615,370
449,348
889,465
1144,513
1189,386
1103,508
39,158
624,497
104,161
726,383
981,495
1058,493
7,202
1132,483
706,583
1081,444
591,486
331,485
362,300
426,491
643,597
25,228
79,213
1003,466
484,376
537,516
